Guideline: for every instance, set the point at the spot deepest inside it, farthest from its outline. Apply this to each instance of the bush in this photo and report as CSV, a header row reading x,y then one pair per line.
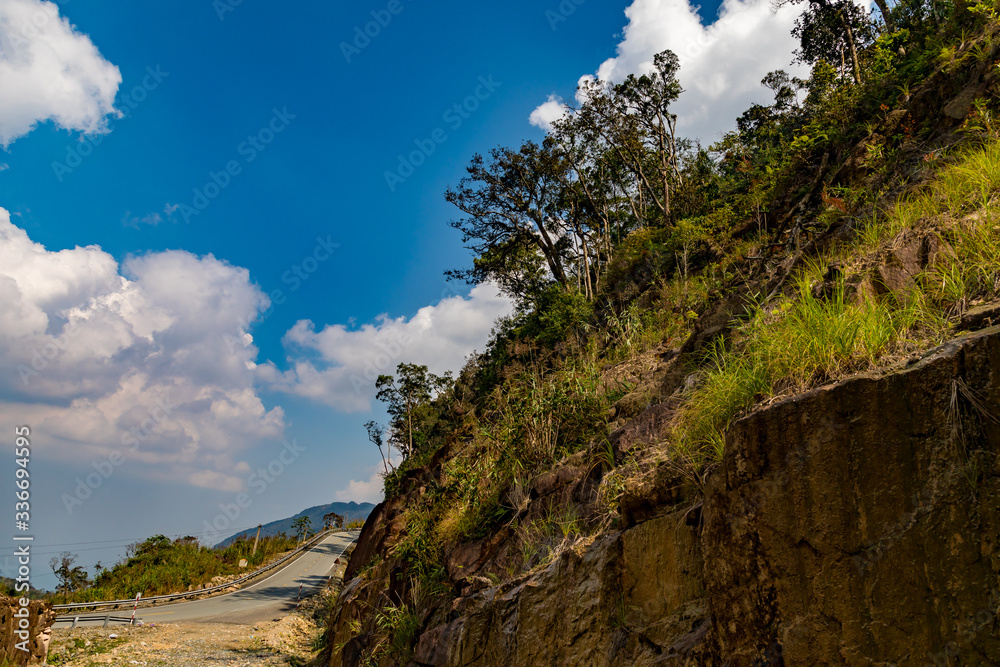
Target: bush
x,y
159,566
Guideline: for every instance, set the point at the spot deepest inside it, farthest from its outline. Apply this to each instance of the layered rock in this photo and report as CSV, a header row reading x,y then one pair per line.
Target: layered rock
x,y
40,619
857,524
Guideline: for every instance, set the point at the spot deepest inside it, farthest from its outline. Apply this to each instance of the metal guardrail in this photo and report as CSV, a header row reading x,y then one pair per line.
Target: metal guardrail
x,y
182,596
107,618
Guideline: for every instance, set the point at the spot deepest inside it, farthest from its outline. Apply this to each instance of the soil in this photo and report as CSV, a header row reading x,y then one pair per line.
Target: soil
x,y
294,640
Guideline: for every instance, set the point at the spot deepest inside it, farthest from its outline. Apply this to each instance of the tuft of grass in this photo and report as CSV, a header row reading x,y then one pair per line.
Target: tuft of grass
x,y
566,521
972,269
399,625
801,342
804,340
973,179
969,182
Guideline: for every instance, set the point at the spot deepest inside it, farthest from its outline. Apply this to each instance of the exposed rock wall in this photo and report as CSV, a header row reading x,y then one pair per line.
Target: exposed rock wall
x,y
859,523
627,598
40,621
856,524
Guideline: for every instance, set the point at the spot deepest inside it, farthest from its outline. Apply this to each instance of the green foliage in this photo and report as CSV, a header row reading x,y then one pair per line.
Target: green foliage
x,y
805,339
302,527
400,624
561,314
409,399
642,257
822,35
159,566
644,236
967,183
971,271
800,342
71,577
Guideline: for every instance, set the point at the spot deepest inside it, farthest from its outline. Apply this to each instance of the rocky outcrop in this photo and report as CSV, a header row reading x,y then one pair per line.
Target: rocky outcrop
x,y
859,523
40,619
632,597
855,524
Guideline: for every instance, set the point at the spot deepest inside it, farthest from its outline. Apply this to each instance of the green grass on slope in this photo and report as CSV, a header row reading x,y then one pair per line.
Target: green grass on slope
x,y
802,340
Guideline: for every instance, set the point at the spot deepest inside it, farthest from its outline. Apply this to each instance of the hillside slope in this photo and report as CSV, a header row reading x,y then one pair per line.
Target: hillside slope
x,y
773,442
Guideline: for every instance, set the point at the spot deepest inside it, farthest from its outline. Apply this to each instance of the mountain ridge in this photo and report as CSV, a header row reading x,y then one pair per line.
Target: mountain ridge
x,y
351,511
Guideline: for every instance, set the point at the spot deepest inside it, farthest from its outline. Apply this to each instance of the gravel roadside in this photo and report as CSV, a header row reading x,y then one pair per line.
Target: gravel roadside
x,y
291,641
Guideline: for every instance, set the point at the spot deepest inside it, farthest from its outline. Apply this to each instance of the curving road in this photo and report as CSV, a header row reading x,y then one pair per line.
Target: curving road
x,y
266,600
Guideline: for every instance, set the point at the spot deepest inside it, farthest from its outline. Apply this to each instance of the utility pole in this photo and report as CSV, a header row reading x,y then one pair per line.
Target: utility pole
x,y
255,540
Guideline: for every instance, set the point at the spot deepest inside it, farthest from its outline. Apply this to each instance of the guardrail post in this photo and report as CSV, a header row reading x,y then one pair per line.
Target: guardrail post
x,y
75,619
132,620
107,617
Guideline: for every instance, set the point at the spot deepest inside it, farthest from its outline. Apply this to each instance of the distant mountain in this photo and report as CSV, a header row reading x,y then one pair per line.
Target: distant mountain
x,y
8,587
352,511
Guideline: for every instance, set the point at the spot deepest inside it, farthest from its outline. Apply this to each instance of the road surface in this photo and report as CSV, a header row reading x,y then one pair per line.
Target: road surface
x,y
266,600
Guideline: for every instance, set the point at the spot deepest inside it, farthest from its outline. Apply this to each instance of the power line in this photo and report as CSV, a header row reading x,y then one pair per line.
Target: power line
x,y
122,542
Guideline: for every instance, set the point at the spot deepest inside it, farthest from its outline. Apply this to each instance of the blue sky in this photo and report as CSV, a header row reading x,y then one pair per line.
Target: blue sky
x,y
199,245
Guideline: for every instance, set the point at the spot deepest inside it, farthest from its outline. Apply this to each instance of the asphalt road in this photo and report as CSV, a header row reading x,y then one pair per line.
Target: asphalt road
x,y
266,600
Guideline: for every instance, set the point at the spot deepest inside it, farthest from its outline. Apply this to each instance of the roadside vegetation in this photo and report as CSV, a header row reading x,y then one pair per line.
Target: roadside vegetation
x,y
844,227
160,566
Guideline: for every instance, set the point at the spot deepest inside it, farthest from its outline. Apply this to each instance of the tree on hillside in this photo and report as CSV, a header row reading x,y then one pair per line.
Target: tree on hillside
x,y
375,431
332,520
629,137
832,32
72,577
648,98
509,203
406,395
830,24
302,527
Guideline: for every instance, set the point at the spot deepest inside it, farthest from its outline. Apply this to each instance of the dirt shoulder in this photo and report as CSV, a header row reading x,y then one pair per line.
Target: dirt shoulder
x,y
294,640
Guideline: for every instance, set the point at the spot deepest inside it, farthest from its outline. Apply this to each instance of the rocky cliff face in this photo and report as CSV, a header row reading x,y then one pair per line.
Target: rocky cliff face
x,y
858,523
855,524
40,621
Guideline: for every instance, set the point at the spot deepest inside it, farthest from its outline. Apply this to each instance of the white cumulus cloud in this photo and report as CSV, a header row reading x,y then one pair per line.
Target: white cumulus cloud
x,y
49,71
367,491
136,358
338,366
721,64
545,115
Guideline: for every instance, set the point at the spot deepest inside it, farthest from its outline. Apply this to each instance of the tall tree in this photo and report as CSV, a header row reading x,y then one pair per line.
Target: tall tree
x,y
631,124
833,30
302,527
375,431
509,205
71,577
827,23
648,99
404,395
